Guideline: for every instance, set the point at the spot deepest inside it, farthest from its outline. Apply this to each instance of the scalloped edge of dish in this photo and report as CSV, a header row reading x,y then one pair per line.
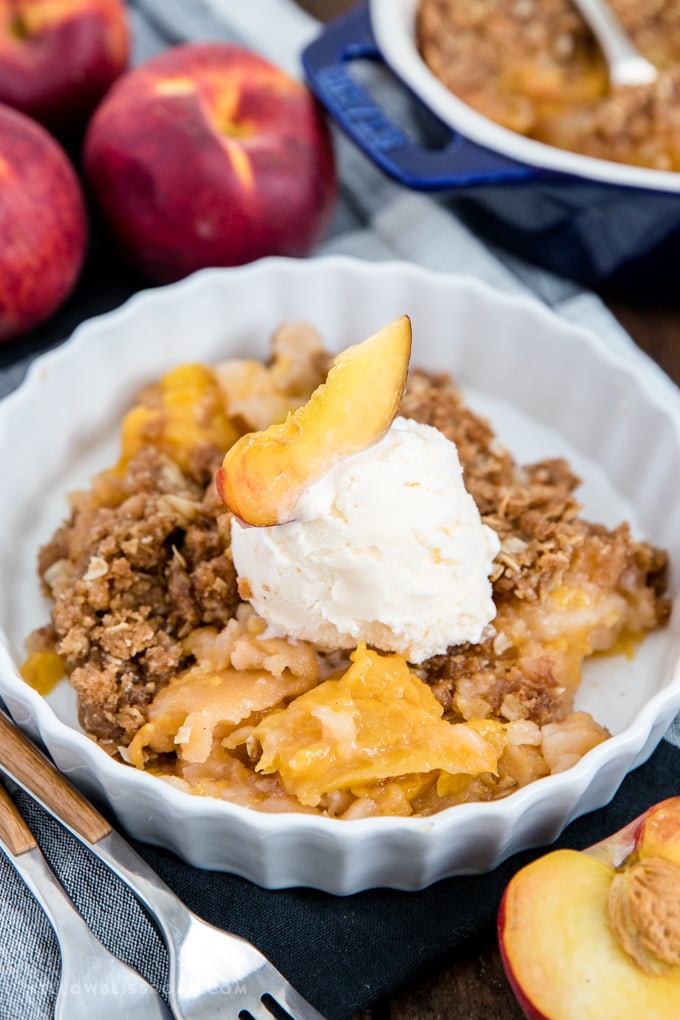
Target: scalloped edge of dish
x,y
280,850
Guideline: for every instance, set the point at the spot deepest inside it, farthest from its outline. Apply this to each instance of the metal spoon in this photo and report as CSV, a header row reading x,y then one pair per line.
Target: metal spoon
x,y
626,65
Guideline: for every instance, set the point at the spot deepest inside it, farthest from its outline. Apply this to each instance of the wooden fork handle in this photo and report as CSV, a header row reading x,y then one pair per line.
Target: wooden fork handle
x,y
21,760
14,832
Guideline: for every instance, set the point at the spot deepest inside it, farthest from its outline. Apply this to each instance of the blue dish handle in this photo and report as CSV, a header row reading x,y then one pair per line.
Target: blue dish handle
x,y
460,163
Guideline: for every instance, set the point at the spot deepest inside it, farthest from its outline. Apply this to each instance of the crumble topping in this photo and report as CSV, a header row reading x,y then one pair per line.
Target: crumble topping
x,y
130,579
560,581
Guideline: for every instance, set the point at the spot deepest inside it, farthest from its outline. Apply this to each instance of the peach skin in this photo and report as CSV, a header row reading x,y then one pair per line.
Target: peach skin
x,y
264,473
597,934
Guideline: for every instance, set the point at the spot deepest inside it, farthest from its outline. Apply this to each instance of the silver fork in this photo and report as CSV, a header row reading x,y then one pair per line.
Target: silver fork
x,y
93,982
213,974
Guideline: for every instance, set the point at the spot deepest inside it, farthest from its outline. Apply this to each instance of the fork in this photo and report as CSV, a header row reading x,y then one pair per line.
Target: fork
x,y
213,973
93,982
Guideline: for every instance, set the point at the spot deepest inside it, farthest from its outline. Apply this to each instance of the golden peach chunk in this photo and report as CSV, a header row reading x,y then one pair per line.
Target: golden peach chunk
x,y
183,411
377,721
265,473
43,670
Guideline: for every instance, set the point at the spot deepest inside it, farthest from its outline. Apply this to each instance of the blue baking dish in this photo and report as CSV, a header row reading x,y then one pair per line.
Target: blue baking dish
x,y
607,225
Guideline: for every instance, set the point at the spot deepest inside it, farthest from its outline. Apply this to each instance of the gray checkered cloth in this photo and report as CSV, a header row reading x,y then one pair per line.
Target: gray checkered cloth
x,y
376,219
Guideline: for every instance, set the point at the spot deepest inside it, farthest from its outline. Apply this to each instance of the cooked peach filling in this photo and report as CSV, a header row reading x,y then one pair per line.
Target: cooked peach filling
x,y
176,674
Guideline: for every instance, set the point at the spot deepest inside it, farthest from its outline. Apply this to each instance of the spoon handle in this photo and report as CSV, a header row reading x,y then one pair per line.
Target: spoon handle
x,y
626,65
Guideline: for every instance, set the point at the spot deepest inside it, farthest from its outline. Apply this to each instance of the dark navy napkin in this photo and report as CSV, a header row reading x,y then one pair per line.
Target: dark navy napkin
x,y
342,953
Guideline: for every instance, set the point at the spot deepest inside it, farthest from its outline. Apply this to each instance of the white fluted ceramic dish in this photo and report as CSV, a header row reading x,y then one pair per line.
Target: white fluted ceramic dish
x,y
550,388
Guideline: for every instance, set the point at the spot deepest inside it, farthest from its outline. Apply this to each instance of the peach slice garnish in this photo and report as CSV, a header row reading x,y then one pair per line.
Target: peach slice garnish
x,y
265,473
594,934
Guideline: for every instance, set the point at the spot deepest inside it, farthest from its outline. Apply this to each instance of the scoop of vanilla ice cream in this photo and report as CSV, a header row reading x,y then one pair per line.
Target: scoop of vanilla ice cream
x,y
388,547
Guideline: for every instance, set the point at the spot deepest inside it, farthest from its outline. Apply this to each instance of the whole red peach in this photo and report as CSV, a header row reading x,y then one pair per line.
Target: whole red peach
x,y
208,155
43,224
58,59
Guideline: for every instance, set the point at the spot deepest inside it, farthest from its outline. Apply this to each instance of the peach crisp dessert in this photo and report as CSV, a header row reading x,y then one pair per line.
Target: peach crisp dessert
x,y
535,67
324,585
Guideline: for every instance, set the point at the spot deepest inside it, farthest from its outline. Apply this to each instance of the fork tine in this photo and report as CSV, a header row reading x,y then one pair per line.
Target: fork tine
x,y
270,1008
292,1003
212,970
279,1002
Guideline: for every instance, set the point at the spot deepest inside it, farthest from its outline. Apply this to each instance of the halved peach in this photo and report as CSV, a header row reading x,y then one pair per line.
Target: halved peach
x,y
596,934
659,833
265,473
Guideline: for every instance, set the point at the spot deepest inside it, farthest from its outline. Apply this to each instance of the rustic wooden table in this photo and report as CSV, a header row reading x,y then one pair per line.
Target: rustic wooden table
x,y
473,985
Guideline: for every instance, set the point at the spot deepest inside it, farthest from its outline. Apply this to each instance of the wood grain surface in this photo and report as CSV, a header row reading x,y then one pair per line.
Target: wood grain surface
x,y
26,765
473,985
14,832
